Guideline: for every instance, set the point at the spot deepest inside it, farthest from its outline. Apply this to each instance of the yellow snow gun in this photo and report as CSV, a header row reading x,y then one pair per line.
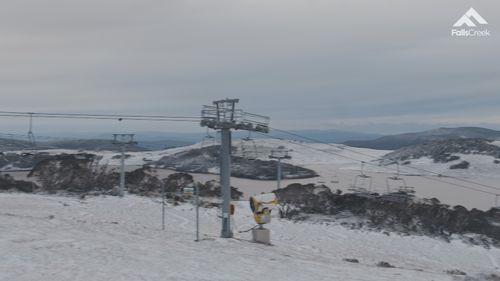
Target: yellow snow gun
x,y
262,205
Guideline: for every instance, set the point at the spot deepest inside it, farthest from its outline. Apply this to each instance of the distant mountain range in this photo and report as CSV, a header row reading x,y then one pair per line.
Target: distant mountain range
x,y
444,151
87,144
393,142
154,140
330,136
161,140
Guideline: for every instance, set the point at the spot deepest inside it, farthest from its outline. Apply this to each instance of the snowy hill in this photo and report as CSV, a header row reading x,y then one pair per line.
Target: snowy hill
x,y
402,140
109,238
337,166
206,160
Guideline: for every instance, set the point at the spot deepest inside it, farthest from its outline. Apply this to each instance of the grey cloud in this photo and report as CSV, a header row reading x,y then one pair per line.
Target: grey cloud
x,y
302,62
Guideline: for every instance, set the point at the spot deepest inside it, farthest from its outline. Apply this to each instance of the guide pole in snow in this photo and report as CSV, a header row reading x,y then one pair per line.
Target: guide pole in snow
x,y
162,204
223,116
197,202
122,172
278,174
122,140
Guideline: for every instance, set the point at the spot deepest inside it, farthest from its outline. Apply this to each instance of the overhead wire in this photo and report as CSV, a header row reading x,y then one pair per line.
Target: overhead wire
x,y
166,118
88,116
368,163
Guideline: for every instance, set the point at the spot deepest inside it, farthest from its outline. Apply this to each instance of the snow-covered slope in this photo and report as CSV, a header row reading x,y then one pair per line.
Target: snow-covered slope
x,y
310,155
109,238
338,166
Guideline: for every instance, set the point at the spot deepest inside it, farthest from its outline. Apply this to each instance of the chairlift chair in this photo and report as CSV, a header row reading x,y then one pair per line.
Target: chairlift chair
x,y
206,138
362,183
252,153
335,177
395,179
407,189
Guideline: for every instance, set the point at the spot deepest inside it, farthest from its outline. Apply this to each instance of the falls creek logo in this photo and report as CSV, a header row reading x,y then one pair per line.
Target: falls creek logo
x,y
470,19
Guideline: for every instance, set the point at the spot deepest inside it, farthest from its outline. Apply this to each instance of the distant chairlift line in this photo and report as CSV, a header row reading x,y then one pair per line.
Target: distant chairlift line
x,y
362,183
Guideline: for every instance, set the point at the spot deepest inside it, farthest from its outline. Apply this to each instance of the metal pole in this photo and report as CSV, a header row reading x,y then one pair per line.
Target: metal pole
x,y
279,173
225,175
162,204
197,202
122,173
31,136
223,116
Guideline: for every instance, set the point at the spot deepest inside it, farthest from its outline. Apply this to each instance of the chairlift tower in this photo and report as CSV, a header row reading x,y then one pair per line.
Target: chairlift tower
x,y
123,140
31,136
222,115
280,153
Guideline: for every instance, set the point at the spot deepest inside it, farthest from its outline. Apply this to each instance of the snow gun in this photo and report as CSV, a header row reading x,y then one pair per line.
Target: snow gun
x,y
262,205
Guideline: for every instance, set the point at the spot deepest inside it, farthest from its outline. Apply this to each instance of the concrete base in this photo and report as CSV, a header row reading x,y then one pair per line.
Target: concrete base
x,y
261,235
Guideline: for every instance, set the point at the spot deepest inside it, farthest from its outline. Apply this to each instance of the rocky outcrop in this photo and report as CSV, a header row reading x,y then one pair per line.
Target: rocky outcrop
x,y
212,189
9,183
397,211
78,173
205,160
442,151
461,165
143,183
85,144
393,142
26,160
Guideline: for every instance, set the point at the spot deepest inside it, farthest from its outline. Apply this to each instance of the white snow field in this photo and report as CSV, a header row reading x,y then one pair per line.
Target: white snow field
x,y
56,238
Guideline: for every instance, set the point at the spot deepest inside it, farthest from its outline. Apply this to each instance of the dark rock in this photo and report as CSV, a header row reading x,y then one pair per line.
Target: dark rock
x,y
177,181
461,165
455,272
80,173
351,260
204,160
385,264
404,215
445,158
442,151
491,277
77,173
213,189
393,142
141,181
21,160
119,156
9,183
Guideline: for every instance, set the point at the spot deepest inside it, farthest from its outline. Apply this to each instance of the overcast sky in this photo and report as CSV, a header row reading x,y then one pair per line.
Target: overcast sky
x,y
374,66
